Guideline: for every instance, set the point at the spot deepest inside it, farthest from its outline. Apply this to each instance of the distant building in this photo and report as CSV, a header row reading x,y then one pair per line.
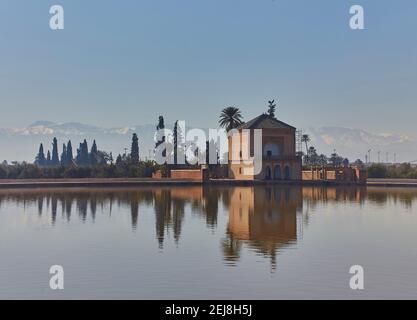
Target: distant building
x,y
279,159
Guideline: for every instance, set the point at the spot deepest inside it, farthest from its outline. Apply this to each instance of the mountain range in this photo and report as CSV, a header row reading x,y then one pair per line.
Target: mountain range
x,y
355,144
21,144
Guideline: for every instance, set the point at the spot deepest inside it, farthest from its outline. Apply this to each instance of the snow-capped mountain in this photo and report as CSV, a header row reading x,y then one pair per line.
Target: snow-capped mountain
x,y
22,143
68,128
355,143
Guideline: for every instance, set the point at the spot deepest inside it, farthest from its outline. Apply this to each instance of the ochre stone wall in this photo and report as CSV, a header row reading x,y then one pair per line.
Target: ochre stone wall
x,y
348,174
157,175
187,174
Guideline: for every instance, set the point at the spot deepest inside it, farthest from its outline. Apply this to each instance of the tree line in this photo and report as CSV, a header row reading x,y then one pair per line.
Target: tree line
x,y
85,163
402,171
92,162
84,156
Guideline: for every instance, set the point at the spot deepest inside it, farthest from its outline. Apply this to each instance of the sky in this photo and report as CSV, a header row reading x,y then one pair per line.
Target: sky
x,y
120,63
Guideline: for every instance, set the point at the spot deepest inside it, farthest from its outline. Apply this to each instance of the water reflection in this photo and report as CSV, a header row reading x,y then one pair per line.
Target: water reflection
x,y
263,219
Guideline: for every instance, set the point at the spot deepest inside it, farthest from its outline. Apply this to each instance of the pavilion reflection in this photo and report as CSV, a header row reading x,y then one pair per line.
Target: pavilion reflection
x,y
264,219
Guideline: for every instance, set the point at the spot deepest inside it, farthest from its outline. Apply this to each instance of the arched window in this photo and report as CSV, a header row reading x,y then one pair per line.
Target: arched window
x,y
277,172
287,173
268,173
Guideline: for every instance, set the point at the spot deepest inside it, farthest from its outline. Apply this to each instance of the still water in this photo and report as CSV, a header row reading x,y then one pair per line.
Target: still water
x,y
209,243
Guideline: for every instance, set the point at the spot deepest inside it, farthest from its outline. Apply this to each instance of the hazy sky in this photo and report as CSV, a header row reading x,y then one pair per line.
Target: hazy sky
x,y
125,62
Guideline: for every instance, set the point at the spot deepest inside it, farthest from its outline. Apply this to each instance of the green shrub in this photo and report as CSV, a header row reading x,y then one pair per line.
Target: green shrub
x,y
402,171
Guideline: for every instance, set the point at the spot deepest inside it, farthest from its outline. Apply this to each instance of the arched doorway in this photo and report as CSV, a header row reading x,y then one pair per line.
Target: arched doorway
x,y
277,172
268,173
287,173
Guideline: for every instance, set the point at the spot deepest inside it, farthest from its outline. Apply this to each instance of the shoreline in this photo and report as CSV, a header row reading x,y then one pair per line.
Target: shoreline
x,y
142,182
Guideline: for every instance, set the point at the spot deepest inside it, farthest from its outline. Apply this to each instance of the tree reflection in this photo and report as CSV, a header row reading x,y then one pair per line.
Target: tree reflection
x,y
231,248
163,217
134,211
261,219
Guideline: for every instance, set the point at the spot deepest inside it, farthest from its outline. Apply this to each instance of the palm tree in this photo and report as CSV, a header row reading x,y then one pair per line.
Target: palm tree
x,y
322,161
230,118
306,139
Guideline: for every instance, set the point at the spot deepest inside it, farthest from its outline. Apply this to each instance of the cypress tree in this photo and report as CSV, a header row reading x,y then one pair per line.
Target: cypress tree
x,y
82,154
94,154
55,157
48,158
85,152
64,155
175,133
160,126
69,158
40,157
119,160
134,151
178,137
78,158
